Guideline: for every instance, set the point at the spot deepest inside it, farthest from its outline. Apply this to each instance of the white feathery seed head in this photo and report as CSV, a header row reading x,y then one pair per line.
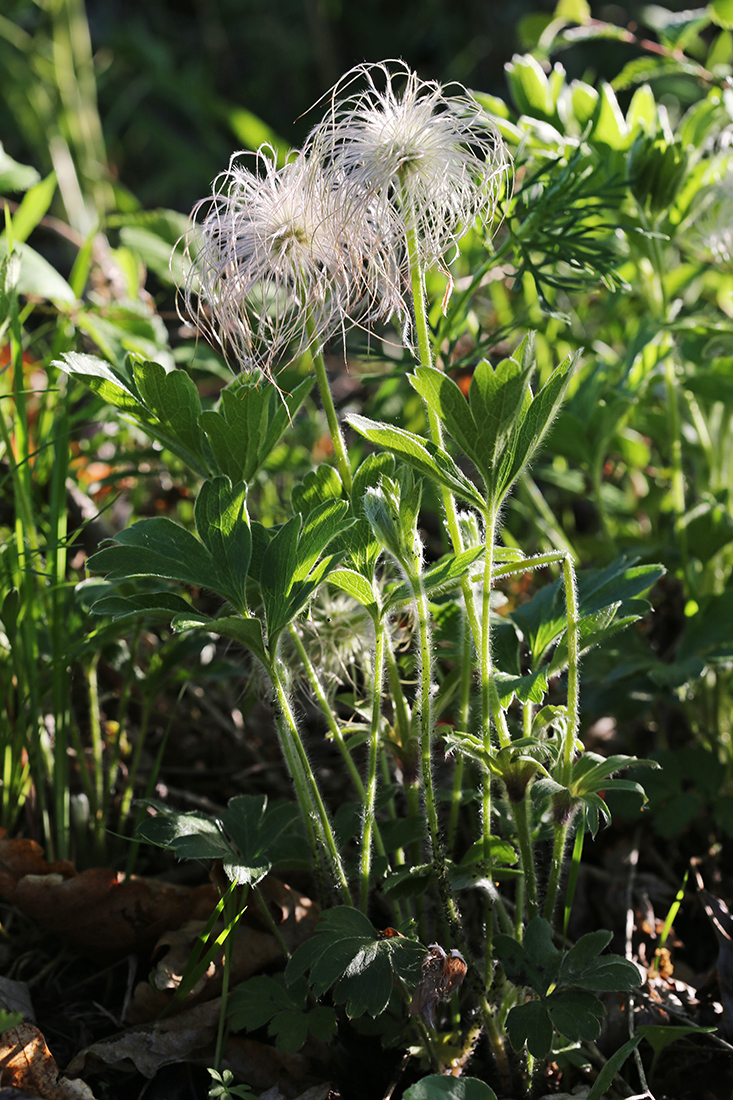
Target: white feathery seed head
x,y
274,266
411,151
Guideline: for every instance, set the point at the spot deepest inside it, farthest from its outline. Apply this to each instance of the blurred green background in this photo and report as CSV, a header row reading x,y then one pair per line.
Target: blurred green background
x,y
181,85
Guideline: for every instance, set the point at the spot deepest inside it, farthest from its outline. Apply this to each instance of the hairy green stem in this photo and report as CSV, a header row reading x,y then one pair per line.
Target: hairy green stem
x,y
337,439
556,866
463,720
369,823
306,787
573,635
520,811
417,281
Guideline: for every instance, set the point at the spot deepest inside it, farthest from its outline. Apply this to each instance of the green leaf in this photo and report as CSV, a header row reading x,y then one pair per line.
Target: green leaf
x,y
317,487
290,570
248,632
347,954
262,835
530,1023
534,424
114,384
237,431
721,12
530,88
576,1015
37,277
34,206
610,974
15,176
660,1036
441,577
161,606
535,962
156,547
431,461
190,835
357,587
249,424
221,521
248,837
172,402
253,1003
434,1087
530,688
585,951
611,1068
445,398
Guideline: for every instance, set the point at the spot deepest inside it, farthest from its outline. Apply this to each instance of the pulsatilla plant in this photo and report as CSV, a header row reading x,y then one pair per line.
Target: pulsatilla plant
x,y
447,851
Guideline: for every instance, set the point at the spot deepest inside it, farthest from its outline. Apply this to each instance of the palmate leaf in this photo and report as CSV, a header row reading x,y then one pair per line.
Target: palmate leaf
x,y
291,570
165,403
431,461
571,1009
249,837
248,425
348,956
267,1000
502,424
162,549
535,962
222,524
172,405
441,577
600,591
114,384
434,1087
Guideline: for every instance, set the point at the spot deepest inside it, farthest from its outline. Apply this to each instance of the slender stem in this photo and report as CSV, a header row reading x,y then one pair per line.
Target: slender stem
x,y
327,709
424,717
463,720
675,444
231,920
574,869
371,786
97,753
265,910
305,783
521,820
128,792
556,865
573,718
337,439
423,339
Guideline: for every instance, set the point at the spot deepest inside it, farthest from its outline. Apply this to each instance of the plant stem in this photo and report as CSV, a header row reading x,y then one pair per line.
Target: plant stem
x,y
97,808
337,439
463,720
574,869
424,717
306,787
558,857
573,717
417,281
521,820
327,709
371,786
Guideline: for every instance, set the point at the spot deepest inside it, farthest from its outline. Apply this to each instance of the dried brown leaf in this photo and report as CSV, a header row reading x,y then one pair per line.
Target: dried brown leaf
x,y
27,1063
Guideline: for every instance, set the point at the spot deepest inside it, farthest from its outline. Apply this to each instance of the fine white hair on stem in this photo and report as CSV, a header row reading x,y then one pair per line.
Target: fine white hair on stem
x,y
414,151
275,264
